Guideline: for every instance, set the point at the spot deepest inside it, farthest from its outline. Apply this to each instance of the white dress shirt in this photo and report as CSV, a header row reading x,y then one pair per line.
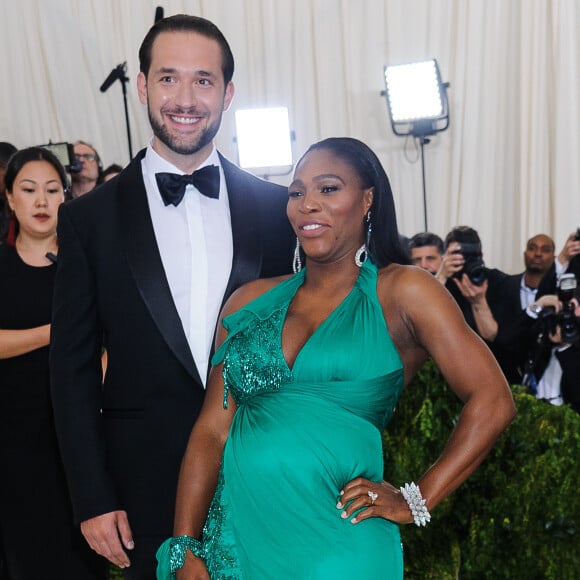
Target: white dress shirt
x,y
527,294
196,248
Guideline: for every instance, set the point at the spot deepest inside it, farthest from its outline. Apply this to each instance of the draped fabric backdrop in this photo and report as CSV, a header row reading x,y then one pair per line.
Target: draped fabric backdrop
x,y
509,165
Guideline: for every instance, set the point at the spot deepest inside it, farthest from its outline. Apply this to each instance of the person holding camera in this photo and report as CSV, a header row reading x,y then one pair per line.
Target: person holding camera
x,y
553,368
483,297
90,166
476,288
567,261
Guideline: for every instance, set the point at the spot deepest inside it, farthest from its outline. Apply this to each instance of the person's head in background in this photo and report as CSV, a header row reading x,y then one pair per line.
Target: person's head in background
x,y
426,251
87,158
539,254
109,172
6,150
462,235
185,80
36,183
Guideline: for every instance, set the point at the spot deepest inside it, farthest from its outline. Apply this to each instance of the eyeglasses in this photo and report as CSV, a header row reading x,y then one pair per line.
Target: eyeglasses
x,y
86,156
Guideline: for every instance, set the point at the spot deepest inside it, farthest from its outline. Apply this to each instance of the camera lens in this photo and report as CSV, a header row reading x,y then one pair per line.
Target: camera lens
x,y
477,274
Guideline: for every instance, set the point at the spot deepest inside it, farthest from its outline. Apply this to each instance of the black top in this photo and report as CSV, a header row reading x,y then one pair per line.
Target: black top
x,y
25,302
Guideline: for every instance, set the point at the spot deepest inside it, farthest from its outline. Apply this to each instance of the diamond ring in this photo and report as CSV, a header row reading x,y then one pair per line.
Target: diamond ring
x,y
373,496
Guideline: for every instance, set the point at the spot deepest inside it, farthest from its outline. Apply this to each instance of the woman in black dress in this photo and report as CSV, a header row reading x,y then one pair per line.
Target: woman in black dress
x,y
40,539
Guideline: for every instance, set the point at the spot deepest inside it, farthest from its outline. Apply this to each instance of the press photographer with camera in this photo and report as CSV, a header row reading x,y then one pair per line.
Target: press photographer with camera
x,y
567,261
476,288
553,368
482,295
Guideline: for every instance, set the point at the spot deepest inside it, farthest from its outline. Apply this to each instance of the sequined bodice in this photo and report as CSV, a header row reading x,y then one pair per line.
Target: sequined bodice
x,y
350,351
255,365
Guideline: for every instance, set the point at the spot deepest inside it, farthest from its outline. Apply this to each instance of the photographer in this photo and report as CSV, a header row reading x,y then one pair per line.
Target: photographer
x,y
483,297
476,289
553,369
567,261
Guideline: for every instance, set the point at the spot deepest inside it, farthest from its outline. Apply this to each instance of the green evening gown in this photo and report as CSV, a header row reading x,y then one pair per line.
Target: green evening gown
x,y
298,436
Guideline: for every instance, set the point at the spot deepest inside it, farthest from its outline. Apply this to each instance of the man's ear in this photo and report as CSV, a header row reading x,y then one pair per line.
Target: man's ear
x,y
142,87
229,95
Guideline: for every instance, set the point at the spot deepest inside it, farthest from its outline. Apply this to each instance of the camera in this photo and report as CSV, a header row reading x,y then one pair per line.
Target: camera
x,y
565,319
65,153
474,265
577,236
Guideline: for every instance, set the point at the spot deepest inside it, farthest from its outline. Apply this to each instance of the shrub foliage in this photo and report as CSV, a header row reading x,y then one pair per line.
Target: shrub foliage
x,y
518,515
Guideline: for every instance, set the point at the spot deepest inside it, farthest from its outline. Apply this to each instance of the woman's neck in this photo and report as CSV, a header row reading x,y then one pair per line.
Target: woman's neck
x,y
33,251
331,276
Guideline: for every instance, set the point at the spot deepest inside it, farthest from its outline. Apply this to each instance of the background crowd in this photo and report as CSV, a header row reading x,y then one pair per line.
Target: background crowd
x,y
528,319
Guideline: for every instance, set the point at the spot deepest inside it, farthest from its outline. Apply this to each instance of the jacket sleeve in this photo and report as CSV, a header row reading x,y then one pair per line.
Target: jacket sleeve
x,y
76,375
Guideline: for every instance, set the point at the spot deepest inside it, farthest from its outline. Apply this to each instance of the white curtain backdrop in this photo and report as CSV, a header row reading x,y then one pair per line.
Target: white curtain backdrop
x,y
509,165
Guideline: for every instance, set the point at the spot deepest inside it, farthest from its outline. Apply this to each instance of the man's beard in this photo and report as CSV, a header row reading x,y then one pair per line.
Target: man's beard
x,y
185,146
535,269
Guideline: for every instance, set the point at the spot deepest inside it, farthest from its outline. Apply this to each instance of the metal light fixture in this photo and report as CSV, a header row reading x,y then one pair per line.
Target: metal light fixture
x,y
417,104
264,140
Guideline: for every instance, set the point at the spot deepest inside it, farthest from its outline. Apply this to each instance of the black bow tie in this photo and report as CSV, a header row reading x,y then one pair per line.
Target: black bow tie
x,y
172,185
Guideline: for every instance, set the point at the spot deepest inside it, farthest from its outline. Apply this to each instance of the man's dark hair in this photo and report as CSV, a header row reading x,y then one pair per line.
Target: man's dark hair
x,y
462,235
187,23
385,245
423,239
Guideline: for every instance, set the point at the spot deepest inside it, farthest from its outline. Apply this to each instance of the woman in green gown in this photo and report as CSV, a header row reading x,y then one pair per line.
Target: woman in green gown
x,y
283,474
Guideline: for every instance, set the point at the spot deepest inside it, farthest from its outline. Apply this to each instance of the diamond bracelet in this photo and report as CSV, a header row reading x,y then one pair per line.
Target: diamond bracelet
x,y
416,503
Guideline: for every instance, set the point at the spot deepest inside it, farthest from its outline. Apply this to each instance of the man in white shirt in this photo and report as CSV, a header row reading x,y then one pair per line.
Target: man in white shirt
x,y
145,264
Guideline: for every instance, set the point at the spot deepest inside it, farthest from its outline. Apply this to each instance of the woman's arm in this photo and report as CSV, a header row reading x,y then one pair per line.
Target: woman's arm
x,y
201,463
16,342
423,319
437,326
200,466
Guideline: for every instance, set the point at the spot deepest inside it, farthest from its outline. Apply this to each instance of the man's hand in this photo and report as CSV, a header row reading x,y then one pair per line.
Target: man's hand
x,y
473,293
485,322
571,248
108,534
451,263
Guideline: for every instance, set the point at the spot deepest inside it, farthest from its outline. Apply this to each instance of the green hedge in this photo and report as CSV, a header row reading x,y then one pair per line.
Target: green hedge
x,y
519,513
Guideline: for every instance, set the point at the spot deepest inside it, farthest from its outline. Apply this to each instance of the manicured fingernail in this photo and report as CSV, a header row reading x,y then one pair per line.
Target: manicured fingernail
x,y
130,545
353,521
343,515
341,491
339,506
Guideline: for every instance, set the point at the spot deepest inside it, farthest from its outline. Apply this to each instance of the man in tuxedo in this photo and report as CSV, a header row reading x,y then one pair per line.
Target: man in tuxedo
x,y
145,263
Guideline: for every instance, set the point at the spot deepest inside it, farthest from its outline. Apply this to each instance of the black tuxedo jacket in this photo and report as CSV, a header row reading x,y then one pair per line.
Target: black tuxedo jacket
x,y
122,440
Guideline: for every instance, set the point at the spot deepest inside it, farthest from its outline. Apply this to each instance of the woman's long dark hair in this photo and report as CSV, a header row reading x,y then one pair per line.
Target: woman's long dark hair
x,y
385,245
16,162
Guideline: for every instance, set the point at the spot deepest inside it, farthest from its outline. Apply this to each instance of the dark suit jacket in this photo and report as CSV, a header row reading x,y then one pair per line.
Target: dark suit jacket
x,y
503,297
122,442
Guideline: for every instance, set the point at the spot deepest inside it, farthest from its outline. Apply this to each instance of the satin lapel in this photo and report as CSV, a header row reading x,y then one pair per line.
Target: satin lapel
x,y
145,262
247,259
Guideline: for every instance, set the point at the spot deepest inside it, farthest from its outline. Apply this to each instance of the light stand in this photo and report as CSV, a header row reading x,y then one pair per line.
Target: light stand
x,y
118,73
418,106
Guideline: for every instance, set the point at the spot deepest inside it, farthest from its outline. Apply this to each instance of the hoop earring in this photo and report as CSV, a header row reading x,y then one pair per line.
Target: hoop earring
x,y
369,229
361,256
297,261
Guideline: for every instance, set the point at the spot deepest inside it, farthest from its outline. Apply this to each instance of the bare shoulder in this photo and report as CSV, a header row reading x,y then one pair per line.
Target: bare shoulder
x,y
407,284
250,291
